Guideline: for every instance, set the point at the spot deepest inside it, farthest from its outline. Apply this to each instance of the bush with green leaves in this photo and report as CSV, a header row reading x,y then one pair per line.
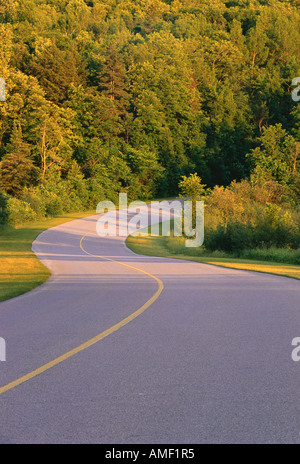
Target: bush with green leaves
x,y
245,215
36,201
20,212
236,236
191,186
54,206
276,227
232,237
63,195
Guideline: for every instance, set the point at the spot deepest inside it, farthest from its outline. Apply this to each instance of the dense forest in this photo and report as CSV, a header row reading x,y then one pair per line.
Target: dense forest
x,y
106,96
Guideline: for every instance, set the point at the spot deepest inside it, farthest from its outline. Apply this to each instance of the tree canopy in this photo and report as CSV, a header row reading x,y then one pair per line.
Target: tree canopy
x,y
132,95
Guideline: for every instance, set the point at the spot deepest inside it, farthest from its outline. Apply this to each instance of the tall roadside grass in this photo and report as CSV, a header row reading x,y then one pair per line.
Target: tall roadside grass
x,y
277,255
176,246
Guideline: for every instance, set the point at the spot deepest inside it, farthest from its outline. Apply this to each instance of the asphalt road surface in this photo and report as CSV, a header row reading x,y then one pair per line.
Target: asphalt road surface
x,y
206,359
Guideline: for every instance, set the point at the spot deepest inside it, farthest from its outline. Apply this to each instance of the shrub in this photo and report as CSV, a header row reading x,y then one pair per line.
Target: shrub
x,y
235,236
43,201
36,201
54,206
277,228
20,212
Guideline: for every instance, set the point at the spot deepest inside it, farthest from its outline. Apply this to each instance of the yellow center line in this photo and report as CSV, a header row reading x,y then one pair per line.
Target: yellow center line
x,y
98,337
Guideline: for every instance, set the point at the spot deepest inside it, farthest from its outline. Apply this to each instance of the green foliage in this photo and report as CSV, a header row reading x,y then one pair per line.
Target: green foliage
x,y
240,217
236,237
192,187
63,195
132,96
232,237
56,70
4,213
276,159
17,169
273,254
20,212
35,200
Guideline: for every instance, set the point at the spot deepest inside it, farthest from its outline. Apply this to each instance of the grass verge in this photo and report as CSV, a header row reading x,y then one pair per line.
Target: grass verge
x,y
171,247
20,269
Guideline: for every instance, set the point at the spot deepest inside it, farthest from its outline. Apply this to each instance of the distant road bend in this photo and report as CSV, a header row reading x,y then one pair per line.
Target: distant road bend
x,y
121,348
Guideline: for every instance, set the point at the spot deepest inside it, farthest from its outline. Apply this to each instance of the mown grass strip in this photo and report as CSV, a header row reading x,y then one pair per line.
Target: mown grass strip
x,y
20,270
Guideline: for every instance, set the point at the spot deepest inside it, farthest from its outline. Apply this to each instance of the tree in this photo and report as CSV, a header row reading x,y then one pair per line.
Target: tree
x,y
17,169
56,70
113,84
277,156
146,170
191,187
163,88
4,214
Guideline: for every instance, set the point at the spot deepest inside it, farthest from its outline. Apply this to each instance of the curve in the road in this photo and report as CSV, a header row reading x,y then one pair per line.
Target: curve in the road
x,y
209,363
98,337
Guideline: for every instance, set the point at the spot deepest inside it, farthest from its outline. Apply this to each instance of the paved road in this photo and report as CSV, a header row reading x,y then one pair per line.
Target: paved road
x,y
208,362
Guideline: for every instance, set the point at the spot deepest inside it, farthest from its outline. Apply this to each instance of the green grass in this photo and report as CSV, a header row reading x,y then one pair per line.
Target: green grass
x,y
173,247
20,270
